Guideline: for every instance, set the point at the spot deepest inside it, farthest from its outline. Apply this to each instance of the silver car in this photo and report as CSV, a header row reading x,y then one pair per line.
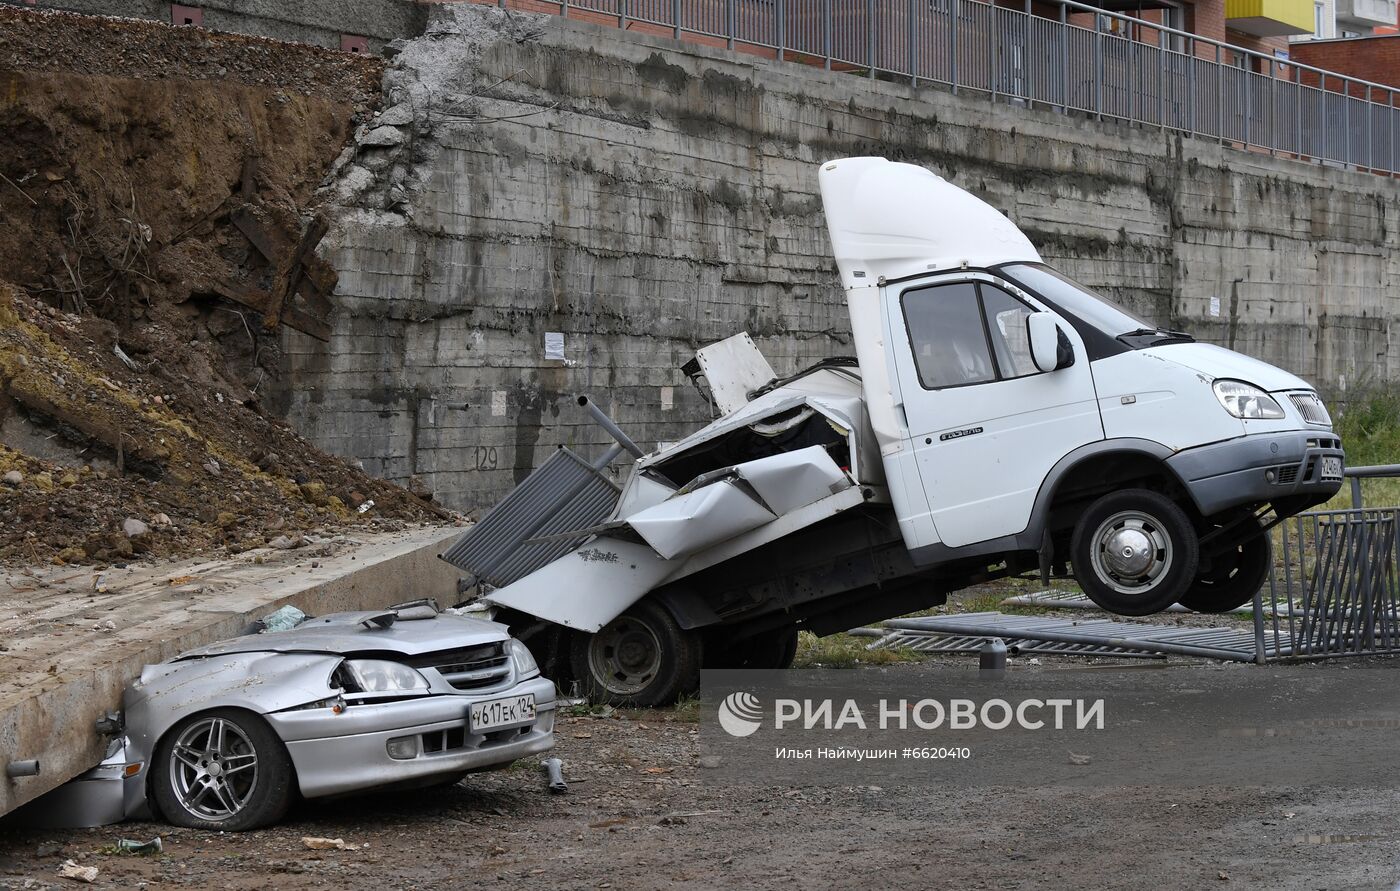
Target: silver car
x,y
221,737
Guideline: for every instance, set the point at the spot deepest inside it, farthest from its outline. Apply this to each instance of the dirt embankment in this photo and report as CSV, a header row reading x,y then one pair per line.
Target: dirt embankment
x,y
129,382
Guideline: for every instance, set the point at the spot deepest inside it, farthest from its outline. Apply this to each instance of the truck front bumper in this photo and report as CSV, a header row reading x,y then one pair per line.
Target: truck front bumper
x,y
349,751
1262,467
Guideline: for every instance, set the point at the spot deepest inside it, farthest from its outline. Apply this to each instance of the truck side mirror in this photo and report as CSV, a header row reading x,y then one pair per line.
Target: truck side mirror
x,y
1050,348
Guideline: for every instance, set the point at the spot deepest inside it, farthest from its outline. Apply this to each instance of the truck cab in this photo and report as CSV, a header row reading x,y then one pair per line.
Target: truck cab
x,y
1016,410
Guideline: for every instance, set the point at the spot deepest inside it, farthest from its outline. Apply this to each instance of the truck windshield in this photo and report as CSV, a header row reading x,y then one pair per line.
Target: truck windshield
x,y
1073,299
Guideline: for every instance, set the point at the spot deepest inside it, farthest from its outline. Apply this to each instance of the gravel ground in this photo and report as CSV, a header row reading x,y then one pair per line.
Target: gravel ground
x,y
641,813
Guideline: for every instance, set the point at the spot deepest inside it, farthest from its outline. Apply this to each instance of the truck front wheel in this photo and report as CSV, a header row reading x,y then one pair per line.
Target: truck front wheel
x,y
1230,579
642,658
1134,552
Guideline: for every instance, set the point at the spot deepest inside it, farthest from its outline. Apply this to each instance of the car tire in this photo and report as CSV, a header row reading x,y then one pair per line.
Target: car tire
x,y
642,658
776,648
1134,552
222,770
1232,578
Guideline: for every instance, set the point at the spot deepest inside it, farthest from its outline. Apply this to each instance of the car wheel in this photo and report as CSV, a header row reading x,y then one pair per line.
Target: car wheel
x,y
222,769
1232,578
641,658
1134,552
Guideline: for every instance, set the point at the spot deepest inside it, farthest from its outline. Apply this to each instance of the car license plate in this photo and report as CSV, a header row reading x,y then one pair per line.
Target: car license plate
x,y
503,712
1332,468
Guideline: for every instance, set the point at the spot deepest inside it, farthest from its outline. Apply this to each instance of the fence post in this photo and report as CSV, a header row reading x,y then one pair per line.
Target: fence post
x,y
1219,97
953,43
1346,121
676,17
1370,146
1134,81
1098,67
1392,131
870,35
782,25
913,44
1191,81
826,39
1064,59
1027,65
1162,81
1298,96
729,14
993,45
1273,105
1356,492
1248,105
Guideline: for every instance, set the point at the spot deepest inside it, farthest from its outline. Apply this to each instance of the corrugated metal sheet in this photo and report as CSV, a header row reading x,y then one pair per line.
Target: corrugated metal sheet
x,y
563,494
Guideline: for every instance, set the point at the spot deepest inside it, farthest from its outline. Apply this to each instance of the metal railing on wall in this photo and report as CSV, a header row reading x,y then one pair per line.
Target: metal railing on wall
x,y
1091,61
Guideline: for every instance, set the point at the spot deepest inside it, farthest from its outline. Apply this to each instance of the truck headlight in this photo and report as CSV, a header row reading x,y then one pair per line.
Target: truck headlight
x,y
525,665
383,676
1246,401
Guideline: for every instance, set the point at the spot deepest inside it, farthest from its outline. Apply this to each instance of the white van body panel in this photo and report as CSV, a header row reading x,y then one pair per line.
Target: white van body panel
x,y
1143,394
890,220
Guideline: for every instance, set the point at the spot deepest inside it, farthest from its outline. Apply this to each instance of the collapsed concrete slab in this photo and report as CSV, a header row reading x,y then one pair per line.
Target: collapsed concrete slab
x,y
74,638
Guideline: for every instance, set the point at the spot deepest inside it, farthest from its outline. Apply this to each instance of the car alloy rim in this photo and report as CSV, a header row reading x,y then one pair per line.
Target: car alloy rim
x,y
215,768
625,656
1132,552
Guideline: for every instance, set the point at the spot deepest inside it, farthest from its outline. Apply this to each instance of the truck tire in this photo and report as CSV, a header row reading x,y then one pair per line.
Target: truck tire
x,y
1134,552
642,658
770,649
1232,577
223,769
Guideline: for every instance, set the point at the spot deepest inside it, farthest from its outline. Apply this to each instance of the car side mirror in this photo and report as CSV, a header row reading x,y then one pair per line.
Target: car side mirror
x,y
1050,347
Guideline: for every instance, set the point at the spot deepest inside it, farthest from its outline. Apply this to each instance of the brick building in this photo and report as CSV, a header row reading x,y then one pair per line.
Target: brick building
x,y
1375,58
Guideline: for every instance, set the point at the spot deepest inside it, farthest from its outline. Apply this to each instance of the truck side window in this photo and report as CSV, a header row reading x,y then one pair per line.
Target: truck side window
x,y
1006,324
947,335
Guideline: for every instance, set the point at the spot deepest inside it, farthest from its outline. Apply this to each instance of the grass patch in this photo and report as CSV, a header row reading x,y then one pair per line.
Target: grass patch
x,y
844,651
1370,429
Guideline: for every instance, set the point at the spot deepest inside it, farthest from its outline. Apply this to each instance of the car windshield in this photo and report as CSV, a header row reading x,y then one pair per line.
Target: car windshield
x,y
1067,295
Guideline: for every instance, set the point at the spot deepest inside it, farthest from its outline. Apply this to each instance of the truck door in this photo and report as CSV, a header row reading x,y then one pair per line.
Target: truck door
x,y
985,424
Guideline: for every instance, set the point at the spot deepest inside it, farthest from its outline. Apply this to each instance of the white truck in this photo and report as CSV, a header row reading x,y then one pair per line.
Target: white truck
x,y
997,419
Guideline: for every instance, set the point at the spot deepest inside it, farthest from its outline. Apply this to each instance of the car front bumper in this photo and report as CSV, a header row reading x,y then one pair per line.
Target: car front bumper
x,y
346,752
1261,467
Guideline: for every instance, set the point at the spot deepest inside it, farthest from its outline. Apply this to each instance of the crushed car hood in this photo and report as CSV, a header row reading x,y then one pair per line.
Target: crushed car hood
x,y
342,633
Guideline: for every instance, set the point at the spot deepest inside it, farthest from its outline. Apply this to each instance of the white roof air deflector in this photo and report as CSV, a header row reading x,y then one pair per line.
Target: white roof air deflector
x,y
889,220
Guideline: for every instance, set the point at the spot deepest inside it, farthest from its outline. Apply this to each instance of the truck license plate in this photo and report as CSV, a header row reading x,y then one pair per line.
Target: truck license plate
x,y
1332,468
502,712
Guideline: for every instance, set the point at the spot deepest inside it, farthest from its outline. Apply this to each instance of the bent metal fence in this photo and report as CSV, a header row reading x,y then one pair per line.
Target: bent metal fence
x,y
1333,590
1089,60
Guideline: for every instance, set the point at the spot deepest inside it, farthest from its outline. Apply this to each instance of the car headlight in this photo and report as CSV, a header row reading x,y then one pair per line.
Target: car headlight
x,y
1246,400
383,676
525,664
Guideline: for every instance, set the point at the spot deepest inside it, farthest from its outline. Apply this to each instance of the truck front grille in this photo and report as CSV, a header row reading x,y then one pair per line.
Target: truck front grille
x,y
1311,408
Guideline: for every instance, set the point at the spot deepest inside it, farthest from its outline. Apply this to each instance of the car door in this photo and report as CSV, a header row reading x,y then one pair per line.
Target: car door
x,y
985,424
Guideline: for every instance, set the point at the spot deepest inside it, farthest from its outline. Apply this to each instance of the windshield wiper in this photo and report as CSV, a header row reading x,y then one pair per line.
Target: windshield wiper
x,y
1161,335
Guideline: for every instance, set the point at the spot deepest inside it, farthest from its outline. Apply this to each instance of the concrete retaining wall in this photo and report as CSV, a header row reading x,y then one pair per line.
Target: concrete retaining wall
x,y
644,197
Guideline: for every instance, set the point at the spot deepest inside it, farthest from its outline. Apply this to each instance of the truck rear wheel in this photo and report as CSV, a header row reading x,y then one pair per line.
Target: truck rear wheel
x,y
642,658
769,649
1231,579
1134,552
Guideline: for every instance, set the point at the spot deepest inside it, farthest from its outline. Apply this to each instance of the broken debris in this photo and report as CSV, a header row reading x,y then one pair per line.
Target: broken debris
x,y
71,870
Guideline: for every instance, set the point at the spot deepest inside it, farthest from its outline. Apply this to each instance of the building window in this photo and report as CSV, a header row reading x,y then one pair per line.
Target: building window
x,y
354,43
186,15
1319,20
